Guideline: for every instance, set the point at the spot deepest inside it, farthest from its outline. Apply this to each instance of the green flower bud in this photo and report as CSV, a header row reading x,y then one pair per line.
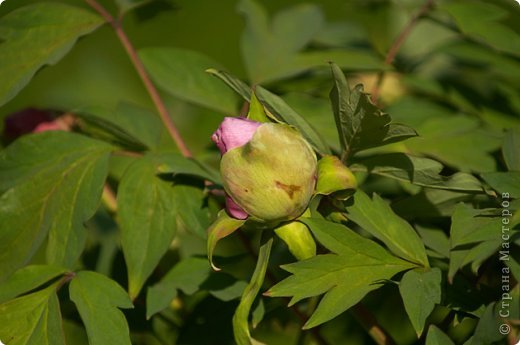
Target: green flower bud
x,y
272,176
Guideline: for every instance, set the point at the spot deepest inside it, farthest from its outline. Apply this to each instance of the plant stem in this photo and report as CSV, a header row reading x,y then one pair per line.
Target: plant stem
x,y
145,78
369,322
315,331
396,45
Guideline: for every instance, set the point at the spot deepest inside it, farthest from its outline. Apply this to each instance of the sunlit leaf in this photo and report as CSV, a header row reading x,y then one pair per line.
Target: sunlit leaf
x,y
354,268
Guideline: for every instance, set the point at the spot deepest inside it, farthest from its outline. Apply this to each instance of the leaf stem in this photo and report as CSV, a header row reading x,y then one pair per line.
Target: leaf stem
x,y
396,45
145,78
315,331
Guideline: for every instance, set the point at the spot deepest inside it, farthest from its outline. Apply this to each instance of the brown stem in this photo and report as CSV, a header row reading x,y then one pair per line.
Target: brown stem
x,y
396,45
139,67
369,322
65,279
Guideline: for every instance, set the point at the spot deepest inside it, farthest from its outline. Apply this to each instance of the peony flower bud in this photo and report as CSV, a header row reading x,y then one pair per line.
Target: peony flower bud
x,y
268,169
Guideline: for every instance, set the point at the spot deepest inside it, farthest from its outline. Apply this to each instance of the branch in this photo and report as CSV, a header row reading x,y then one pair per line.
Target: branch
x,y
145,78
396,45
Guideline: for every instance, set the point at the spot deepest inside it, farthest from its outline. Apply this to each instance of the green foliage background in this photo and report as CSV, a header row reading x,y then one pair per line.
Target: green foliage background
x,y
418,251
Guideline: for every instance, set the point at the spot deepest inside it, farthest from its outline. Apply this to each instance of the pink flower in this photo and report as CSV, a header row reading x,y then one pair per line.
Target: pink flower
x,y
25,121
234,132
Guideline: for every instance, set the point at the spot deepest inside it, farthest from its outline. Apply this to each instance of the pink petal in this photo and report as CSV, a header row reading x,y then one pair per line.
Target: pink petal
x,y
47,126
234,210
234,132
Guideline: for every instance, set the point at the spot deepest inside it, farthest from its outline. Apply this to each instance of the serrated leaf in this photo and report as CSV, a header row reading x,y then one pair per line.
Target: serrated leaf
x,y
181,72
420,291
353,269
437,337
420,171
187,276
241,317
511,150
504,182
361,125
281,111
37,35
147,216
32,319
28,278
97,298
376,217
473,238
51,183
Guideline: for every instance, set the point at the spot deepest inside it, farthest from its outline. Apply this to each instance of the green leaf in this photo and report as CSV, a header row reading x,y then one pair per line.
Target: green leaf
x,y
181,73
339,96
487,330
420,291
223,226
191,213
241,317
137,124
51,183
281,111
187,276
174,163
32,319
97,298
147,216
437,337
37,35
361,125
376,217
504,182
273,49
28,278
233,82
511,150
457,141
354,268
129,5
480,20
420,171
472,238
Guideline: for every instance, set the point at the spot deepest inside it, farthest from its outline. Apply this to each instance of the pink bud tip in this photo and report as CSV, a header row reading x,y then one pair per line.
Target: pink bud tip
x,y
47,126
234,132
234,210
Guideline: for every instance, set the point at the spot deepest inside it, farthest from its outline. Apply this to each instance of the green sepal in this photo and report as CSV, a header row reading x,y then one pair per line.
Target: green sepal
x,y
257,110
335,178
223,226
298,238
